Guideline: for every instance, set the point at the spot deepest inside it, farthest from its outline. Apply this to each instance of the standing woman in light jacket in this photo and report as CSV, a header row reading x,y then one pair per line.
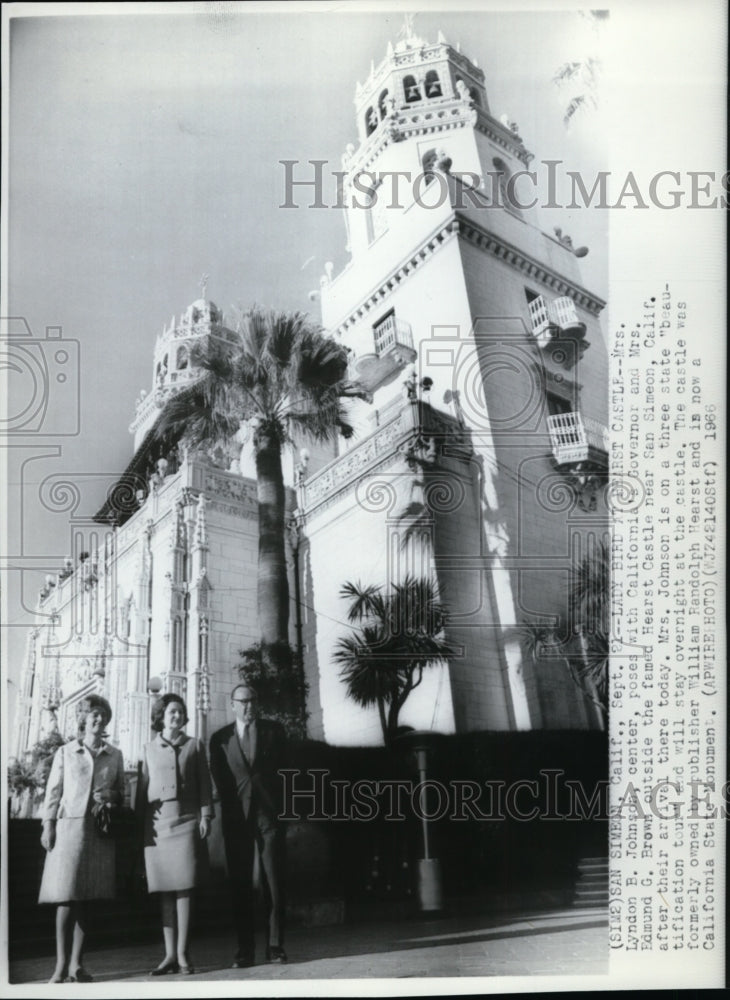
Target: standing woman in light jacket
x,y
178,803
80,865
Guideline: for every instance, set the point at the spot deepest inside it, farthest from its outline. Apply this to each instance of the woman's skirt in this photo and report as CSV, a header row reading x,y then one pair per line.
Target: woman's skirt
x,y
81,864
175,857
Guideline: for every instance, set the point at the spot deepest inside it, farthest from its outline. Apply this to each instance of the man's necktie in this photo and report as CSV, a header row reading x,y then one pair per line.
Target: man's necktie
x,y
246,742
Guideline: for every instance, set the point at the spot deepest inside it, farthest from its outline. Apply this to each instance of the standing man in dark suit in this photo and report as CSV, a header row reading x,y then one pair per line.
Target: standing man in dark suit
x,y
244,759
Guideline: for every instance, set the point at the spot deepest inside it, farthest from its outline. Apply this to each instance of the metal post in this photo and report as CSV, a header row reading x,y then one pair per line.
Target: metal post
x,y
428,868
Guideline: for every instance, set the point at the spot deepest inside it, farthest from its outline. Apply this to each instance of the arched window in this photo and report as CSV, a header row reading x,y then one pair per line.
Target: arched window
x,y
500,178
371,121
377,221
383,104
182,358
435,159
427,163
411,90
432,84
501,195
474,94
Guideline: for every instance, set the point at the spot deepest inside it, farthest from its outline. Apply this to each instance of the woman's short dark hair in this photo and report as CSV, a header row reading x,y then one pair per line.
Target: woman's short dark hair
x,y
158,710
88,704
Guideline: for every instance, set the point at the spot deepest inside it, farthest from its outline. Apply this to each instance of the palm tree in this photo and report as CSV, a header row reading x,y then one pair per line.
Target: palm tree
x,y
281,377
583,75
400,635
585,647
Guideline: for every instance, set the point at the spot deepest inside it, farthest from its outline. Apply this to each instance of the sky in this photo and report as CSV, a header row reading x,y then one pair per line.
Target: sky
x,y
143,152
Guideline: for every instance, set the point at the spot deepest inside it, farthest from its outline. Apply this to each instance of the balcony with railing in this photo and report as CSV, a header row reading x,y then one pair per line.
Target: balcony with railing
x,y
577,440
555,318
393,342
392,334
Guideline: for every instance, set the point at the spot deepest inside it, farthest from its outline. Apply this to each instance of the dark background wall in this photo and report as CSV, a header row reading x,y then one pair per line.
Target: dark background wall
x,y
366,866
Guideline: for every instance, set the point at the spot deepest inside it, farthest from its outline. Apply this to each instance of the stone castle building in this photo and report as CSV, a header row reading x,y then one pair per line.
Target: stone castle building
x,y
480,462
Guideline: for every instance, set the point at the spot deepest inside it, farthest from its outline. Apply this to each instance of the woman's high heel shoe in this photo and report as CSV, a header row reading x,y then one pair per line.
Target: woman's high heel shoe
x,y
167,968
80,976
186,968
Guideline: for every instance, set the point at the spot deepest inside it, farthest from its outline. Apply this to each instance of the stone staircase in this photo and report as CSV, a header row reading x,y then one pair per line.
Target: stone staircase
x,y
591,887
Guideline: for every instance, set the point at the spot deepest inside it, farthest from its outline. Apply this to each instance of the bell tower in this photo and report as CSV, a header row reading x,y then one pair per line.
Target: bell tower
x,y
424,107
172,369
484,451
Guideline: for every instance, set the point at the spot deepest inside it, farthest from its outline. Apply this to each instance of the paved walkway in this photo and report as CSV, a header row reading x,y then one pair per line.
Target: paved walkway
x,y
550,942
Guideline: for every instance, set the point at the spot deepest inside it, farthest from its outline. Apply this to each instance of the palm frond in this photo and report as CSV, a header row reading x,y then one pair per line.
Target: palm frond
x,y
322,362
568,71
199,415
574,105
365,601
368,674
591,591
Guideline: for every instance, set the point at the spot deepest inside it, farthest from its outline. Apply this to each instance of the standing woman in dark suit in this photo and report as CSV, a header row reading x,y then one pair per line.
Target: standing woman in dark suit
x,y
80,865
178,802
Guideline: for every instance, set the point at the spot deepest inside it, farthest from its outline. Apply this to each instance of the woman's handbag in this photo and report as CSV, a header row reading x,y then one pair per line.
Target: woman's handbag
x,y
114,822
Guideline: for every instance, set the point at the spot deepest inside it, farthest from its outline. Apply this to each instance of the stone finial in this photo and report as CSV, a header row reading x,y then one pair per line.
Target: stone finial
x,y
300,469
411,385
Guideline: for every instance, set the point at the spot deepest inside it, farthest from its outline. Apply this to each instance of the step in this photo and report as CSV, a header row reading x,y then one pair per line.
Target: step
x,y
591,884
